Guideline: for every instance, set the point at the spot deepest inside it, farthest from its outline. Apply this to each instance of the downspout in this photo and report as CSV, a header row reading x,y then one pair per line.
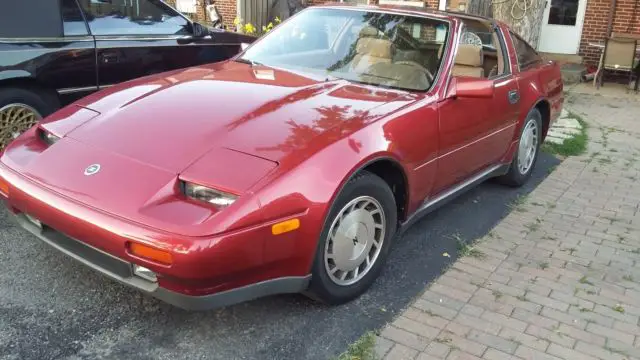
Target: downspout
x,y
612,11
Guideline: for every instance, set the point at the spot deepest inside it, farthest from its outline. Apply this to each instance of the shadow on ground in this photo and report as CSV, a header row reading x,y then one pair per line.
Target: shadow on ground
x,y
53,308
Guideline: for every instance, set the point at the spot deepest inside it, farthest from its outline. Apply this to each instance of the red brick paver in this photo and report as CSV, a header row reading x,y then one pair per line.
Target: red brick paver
x,y
559,277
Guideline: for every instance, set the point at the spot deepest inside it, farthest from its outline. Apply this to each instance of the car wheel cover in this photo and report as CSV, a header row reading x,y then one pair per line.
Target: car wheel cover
x,y
528,146
354,241
16,119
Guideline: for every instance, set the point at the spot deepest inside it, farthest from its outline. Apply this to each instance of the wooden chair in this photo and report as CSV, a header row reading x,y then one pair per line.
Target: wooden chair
x,y
619,55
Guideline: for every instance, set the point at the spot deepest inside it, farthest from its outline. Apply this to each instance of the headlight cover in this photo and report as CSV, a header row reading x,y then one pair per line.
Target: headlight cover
x,y
47,137
217,198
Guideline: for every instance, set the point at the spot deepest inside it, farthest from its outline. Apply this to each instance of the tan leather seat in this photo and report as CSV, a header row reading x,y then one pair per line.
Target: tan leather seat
x,y
469,61
371,50
403,74
498,69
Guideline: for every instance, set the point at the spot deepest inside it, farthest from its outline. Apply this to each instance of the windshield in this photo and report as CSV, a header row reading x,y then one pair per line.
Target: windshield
x,y
381,49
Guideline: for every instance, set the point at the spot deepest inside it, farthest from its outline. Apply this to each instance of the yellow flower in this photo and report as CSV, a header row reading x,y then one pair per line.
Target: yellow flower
x,y
237,21
249,28
277,20
270,26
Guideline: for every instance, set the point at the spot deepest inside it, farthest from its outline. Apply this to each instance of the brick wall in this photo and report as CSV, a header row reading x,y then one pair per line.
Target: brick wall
x,y
595,25
432,4
227,9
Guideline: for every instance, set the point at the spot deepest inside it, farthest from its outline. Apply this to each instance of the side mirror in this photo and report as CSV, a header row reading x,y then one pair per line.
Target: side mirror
x,y
200,30
470,87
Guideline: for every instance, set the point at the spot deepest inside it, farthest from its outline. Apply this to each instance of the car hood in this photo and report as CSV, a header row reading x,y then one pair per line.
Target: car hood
x,y
172,119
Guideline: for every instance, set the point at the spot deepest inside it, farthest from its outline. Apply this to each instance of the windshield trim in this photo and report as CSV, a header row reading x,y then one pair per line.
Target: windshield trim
x,y
439,18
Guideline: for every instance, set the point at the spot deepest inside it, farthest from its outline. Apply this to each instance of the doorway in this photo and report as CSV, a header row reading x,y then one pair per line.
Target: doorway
x,y
562,26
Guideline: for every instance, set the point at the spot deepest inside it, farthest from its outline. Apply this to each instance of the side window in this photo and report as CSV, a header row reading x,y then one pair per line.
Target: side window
x,y
30,19
527,56
72,20
133,17
485,36
502,59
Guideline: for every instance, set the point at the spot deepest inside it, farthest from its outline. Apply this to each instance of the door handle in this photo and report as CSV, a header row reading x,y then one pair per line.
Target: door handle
x,y
109,57
514,96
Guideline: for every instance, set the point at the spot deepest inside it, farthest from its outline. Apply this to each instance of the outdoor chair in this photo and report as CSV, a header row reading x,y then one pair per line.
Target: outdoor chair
x,y
618,55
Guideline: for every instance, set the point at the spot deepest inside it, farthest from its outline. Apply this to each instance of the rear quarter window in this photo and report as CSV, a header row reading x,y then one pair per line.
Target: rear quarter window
x,y
30,19
527,56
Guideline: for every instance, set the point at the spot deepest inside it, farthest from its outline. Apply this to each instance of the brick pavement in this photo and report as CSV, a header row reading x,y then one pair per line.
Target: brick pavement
x,y
559,277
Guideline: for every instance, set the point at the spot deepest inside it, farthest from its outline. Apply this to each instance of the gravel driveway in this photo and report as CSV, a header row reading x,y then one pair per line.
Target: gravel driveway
x,y
54,308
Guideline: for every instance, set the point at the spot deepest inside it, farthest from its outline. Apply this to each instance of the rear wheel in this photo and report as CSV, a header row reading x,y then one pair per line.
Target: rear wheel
x,y
355,240
526,155
20,109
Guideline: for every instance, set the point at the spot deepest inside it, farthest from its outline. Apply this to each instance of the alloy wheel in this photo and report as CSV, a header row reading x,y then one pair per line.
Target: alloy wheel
x,y
355,240
16,119
528,146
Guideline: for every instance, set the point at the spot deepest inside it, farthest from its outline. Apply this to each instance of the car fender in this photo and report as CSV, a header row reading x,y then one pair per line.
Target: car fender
x,y
15,74
307,191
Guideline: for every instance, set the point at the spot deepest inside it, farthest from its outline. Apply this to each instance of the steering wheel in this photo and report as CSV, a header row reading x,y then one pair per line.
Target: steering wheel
x,y
423,69
470,39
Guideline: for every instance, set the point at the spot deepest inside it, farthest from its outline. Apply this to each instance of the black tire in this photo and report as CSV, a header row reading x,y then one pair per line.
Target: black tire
x,y
43,102
322,287
515,177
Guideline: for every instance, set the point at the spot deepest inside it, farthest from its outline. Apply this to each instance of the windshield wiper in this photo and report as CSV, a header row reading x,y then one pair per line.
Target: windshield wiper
x,y
364,82
247,61
378,76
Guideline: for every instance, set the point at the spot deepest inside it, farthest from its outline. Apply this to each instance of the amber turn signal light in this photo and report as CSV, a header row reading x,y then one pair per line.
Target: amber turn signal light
x,y
4,187
285,226
149,253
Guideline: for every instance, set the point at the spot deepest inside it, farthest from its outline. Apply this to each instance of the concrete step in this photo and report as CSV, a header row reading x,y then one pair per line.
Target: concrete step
x,y
563,58
572,73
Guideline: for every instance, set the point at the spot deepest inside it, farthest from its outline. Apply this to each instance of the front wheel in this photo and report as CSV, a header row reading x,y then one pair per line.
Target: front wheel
x,y
355,240
526,156
22,108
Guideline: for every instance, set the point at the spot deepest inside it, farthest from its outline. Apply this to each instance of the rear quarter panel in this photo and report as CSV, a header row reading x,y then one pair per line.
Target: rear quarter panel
x,y
552,87
539,82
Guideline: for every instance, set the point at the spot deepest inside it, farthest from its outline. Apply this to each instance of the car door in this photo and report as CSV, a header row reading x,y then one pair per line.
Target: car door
x,y
51,45
77,72
475,133
135,38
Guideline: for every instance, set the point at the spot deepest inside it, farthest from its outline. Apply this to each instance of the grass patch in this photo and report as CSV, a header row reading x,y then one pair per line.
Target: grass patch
x,y
465,249
618,308
443,340
584,280
535,226
362,349
518,204
628,278
576,145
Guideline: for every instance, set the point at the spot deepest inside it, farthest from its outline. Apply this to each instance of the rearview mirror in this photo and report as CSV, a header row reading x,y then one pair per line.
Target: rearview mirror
x,y
470,87
200,30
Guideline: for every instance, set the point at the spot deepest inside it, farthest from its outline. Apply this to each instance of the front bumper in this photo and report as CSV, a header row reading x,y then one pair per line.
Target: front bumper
x,y
207,272
121,271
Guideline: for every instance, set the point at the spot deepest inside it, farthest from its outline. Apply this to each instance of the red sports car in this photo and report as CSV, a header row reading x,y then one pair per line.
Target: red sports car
x,y
290,167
